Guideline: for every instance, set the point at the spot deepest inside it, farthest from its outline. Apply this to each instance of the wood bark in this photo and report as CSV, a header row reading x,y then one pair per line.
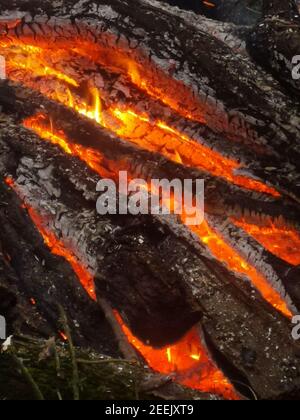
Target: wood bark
x,y
274,42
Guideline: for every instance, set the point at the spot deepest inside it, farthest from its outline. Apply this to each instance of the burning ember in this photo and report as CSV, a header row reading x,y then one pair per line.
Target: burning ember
x,y
155,114
217,245
28,64
233,260
281,241
188,360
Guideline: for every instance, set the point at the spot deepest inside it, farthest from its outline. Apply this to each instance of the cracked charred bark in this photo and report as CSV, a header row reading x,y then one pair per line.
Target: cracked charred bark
x,y
260,116
275,40
35,282
153,290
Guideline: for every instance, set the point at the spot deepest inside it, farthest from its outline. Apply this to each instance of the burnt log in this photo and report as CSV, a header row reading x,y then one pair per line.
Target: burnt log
x,y
220,196
241,12
36,281
274,42
116,155
151,269
201,63
198,287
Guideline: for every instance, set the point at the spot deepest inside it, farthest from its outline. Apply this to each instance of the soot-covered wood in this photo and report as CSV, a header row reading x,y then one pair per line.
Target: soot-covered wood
x,y
195,285
275,40
259,115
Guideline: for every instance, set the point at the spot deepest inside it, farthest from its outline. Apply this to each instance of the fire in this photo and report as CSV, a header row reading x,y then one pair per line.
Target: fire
x,y
41,125
214,241
32,301
281,241
63,336
188,360
58,248
25,57
160,137
29,65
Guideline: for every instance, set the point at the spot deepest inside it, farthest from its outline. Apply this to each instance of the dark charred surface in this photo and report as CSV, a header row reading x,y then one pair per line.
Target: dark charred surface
x,y
286,9
222,301
275,40
30,271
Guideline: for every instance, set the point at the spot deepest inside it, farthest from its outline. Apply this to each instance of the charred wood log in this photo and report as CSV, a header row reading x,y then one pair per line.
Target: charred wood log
x,y
274,43
37,281
232,35
220,197
236,117
196,287
242,12
207,291
152,268
118,156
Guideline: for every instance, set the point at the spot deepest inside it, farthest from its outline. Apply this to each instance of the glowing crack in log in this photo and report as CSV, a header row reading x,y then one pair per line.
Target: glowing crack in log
x,y
284,242
213,240
188,359
139,129
57,247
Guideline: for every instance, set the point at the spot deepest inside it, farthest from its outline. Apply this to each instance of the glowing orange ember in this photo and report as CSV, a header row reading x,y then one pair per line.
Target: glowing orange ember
x,y
214,241
63,336
28,64
41,125
280,241
160,137
57,247
235,262
33,301
41,68
188,360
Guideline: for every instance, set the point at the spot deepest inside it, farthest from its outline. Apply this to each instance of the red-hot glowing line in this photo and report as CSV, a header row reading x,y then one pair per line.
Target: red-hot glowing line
x,y
214,241
182,149
235,262
280,241
63,336
58,248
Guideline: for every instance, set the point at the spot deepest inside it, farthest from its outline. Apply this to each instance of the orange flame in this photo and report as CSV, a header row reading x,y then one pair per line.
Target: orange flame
x,y
188,360
40,125
139,129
